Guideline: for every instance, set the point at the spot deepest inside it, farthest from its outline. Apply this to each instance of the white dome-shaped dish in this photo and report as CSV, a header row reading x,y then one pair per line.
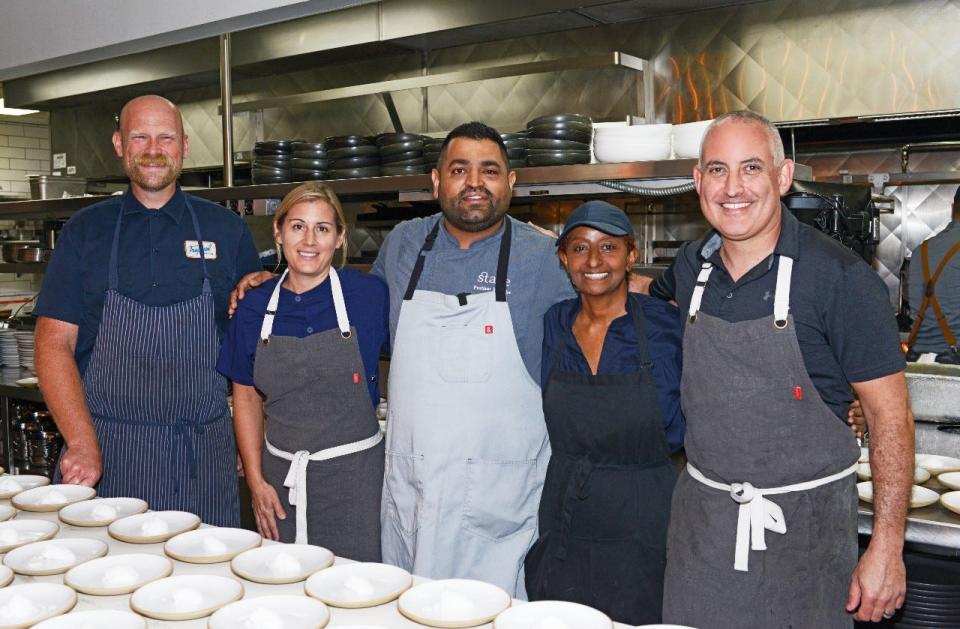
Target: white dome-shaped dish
x,y
95,619
185,597
153,526
552,614
355,585
117,574
52,497
13,484
688,137
919,496
14,533
452,603
53,556
100,511
281,563
286,611
211,545
920,475
937,464
27,604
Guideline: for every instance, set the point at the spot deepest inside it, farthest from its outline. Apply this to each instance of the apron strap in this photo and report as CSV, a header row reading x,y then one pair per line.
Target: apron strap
x,y
705,270
781,300
421,259
339,305
930,296
503,261
266,328
296,479
203,257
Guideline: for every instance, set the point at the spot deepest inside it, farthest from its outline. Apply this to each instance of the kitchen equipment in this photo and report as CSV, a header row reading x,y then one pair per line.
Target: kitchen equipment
x,y
289,612
33,254
358,585
9,248
51,187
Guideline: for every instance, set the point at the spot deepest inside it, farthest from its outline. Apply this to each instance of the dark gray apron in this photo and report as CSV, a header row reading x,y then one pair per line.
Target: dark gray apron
x,y
159,406
754,417
316,397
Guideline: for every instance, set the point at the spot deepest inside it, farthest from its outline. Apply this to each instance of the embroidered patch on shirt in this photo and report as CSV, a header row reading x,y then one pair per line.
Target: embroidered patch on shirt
x,y
192,249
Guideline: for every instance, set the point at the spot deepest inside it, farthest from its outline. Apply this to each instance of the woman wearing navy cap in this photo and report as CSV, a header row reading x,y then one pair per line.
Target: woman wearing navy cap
x,y
302,351
611,398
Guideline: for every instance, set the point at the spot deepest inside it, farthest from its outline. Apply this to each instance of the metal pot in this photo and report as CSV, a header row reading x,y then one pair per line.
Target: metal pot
x,y
9,248
33,254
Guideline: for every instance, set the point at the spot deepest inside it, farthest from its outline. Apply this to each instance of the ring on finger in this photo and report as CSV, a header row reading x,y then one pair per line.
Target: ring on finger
x,y
889,615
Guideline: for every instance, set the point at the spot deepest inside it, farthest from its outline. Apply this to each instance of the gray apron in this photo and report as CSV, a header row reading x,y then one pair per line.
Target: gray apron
x,y
158,405
316,396
765,454
467,446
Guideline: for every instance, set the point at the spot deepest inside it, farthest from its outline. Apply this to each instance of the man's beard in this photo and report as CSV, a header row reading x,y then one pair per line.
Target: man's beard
x,y
153,181
490,217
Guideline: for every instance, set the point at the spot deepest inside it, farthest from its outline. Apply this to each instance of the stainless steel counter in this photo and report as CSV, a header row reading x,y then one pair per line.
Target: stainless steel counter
x,y
10,389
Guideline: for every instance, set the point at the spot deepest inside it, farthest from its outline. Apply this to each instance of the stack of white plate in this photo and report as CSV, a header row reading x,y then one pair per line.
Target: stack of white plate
x,y
25,348
9,355
635,143
688,137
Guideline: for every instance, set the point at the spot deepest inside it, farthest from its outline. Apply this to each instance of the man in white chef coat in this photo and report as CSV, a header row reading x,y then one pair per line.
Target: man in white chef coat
x,y
781,321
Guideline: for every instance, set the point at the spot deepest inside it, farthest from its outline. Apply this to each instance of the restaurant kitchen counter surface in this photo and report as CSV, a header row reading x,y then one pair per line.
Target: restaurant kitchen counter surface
x,y
935,528
385,615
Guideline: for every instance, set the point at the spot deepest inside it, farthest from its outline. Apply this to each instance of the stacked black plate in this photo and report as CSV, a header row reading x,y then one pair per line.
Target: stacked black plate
x,y
272,161
431,150
352,157
559,139
933,592
401,154
309,161
516,144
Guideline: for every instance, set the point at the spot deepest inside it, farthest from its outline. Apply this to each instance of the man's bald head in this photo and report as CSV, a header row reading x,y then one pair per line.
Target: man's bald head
x,y
152,145
148,101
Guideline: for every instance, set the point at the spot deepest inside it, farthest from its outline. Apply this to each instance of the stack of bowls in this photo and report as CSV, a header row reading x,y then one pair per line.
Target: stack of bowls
x,y
271,161
559,139
688,137
638,143
431,150
933,592
309,161
401,154
516,144
352,157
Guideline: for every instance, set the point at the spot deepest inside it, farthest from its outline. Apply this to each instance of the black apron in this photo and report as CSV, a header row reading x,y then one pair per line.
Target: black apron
x,y
606,498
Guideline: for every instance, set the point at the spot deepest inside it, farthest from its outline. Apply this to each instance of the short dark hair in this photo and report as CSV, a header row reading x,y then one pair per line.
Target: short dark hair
x,y
475,131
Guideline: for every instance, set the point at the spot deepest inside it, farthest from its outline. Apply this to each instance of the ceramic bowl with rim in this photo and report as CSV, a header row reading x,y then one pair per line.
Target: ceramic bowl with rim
x,y
616,152
354,585
27,604
951,501
950,480
211,545
688,137
117,574
452,603
281,563
153,526
13,484
920,475
52,497
638,132
7,512
100,511
6,576
286,611
95,618
937,464
919,496
14,533
185,597
53,556
552,615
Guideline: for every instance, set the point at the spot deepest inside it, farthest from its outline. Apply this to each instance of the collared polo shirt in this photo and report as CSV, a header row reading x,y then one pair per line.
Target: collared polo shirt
x,y
154,267
845,323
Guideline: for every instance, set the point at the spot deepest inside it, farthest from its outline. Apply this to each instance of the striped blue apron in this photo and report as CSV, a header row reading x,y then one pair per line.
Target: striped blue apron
x,y
159,406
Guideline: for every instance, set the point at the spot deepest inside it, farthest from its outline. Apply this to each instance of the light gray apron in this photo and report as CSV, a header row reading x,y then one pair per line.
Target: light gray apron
x,y
766,455
467,446
316,397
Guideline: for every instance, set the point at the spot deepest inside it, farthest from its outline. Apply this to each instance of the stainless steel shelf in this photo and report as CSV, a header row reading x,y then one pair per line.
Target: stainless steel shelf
x,y
23,267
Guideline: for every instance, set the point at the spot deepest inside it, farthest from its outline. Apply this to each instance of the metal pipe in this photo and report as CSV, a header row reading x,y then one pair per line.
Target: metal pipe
x,y
924,147
226,109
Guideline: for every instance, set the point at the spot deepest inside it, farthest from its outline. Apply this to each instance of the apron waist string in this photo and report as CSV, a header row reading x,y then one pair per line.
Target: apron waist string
x,y
757,514
296,479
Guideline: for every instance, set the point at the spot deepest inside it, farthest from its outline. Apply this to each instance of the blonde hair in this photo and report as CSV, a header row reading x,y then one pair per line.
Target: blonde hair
x,y
312,191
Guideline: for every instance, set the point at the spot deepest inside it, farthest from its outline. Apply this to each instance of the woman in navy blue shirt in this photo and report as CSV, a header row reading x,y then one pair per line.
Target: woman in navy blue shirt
x,y
302,351
611,387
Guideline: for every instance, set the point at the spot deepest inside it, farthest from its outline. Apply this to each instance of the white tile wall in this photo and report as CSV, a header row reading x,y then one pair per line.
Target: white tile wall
x,y
24,150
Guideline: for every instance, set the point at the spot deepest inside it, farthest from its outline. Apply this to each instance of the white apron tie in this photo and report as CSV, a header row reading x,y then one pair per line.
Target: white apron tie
x,y
757,514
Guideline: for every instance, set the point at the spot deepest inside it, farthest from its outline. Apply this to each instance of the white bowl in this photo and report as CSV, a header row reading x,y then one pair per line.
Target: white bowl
x,y
185,597
27,604
52,497
153,526
356,585
95,619
951,501
100,511
7,512
53,556
453,603
6,576
552,615
117,574
864,455
289,612
13,484
920,475
211,545
936,464
281,563
650,132
688,137
919,496
616,153
950,480
14,533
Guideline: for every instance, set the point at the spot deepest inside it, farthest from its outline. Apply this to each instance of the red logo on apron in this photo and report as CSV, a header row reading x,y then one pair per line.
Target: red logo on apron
x,y
798,392
488,329
356,377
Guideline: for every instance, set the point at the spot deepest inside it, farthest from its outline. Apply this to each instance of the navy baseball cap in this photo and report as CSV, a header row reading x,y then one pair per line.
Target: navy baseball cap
x,y
599,215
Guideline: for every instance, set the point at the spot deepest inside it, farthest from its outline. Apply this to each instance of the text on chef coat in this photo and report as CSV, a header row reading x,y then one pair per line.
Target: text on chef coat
x,y
487,282
192,249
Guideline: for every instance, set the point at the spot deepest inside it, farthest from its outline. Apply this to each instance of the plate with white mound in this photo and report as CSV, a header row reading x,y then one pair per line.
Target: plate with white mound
x,y
6,576
920,475
951,501
211,545
153,526
27,604
281,563
101,511
30,383
919,496
95,619
552,615
937,464
7,512
267,612
52,497
14,533
53,556
185,597
117,574
359,584
864,455
453,603
13,484
950,480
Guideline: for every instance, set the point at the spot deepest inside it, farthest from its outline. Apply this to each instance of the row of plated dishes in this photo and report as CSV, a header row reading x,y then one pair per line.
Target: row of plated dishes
x,y
33,548
946,470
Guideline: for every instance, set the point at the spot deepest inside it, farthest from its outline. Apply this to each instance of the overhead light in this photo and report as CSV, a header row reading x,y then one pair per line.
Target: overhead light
x,y
11,111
